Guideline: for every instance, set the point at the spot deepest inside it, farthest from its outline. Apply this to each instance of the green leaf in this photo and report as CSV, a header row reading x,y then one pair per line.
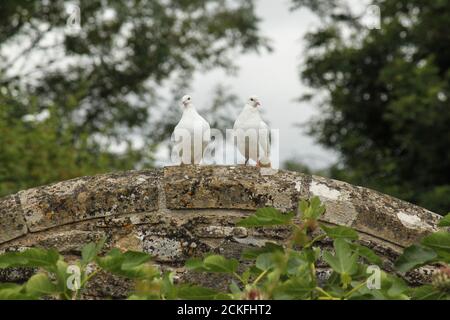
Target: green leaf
x,y
217,263
40,285
340,232
445,221
266,261
344,260
168,289
62,275
427,292
213,263
90,251
266,217
234,288
299,262
294,289
303,205
366,253
190,292
397,288
440,243
13,291
33,257
195,264
132,259
312,210
413,257
253,253
130,264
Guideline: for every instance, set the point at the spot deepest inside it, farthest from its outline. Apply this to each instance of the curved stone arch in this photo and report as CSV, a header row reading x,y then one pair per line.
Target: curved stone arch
x,y
177,212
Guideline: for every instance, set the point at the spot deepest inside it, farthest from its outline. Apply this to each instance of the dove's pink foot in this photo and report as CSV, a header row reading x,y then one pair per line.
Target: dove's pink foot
x,y
260,165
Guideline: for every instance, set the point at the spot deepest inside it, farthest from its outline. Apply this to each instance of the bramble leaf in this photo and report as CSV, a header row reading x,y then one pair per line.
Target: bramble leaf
x,y
213,263
90,251
440,243
445,221
40,285
340,232
413,257
266,217
344,260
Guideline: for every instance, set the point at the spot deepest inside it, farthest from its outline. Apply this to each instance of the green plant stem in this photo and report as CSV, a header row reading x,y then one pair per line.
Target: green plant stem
x,y
260,277
239,278
319,237
329,296
355,289
89,277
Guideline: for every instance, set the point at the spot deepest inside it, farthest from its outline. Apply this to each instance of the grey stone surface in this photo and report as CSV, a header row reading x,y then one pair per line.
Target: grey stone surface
x,y
239,187
90,197
12,223
182,212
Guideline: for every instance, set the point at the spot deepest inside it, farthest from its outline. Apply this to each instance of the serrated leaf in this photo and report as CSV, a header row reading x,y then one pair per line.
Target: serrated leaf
x,y
266,261
296,288
217,263
130,264
190,292
234,288
40,285
253,253
12,291
427,292
445,221
340,232
344,261
303,206
366,253
90,251
168,289
195,264
33,257
440,243
312,209
266,217
413,257
213,263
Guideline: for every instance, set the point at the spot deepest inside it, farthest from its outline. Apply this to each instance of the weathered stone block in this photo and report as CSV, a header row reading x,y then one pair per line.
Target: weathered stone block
x,y
12,223
371,212
392,219
90,197
197,187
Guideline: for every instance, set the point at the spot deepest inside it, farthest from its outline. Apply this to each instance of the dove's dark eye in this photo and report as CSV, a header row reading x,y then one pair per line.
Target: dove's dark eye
x,y
251,99
189,98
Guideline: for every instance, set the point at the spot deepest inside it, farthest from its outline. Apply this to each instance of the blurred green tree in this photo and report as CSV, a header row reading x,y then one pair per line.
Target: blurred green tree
x,y
384,95
101,83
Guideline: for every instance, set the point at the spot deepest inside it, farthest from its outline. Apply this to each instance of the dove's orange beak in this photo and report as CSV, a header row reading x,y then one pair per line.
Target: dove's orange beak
x,y
258,104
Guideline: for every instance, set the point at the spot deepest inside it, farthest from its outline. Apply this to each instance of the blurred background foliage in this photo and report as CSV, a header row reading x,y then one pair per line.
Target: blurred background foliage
x,y
384,96
77,108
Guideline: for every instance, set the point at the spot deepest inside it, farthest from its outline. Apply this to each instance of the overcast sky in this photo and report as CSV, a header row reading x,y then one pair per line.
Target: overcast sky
x,y
274,77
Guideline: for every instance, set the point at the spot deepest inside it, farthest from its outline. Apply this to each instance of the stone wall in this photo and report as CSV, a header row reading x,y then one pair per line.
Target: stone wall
x,y
179,212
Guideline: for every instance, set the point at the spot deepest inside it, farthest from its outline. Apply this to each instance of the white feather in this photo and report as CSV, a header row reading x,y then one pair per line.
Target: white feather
x,y
253,134
192,135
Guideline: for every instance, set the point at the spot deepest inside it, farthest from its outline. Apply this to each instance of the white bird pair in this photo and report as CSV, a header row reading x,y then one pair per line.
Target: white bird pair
x,y
193,134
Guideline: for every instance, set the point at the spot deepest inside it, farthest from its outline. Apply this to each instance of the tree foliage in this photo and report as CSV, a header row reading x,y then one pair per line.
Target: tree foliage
x,y
385,96
102,83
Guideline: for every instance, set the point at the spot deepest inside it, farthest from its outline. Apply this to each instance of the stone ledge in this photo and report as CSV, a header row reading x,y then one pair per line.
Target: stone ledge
x,y
12,223
217,189
90,197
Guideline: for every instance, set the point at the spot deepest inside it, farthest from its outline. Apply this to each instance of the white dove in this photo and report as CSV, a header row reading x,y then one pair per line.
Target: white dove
x,y
253,134
192,134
